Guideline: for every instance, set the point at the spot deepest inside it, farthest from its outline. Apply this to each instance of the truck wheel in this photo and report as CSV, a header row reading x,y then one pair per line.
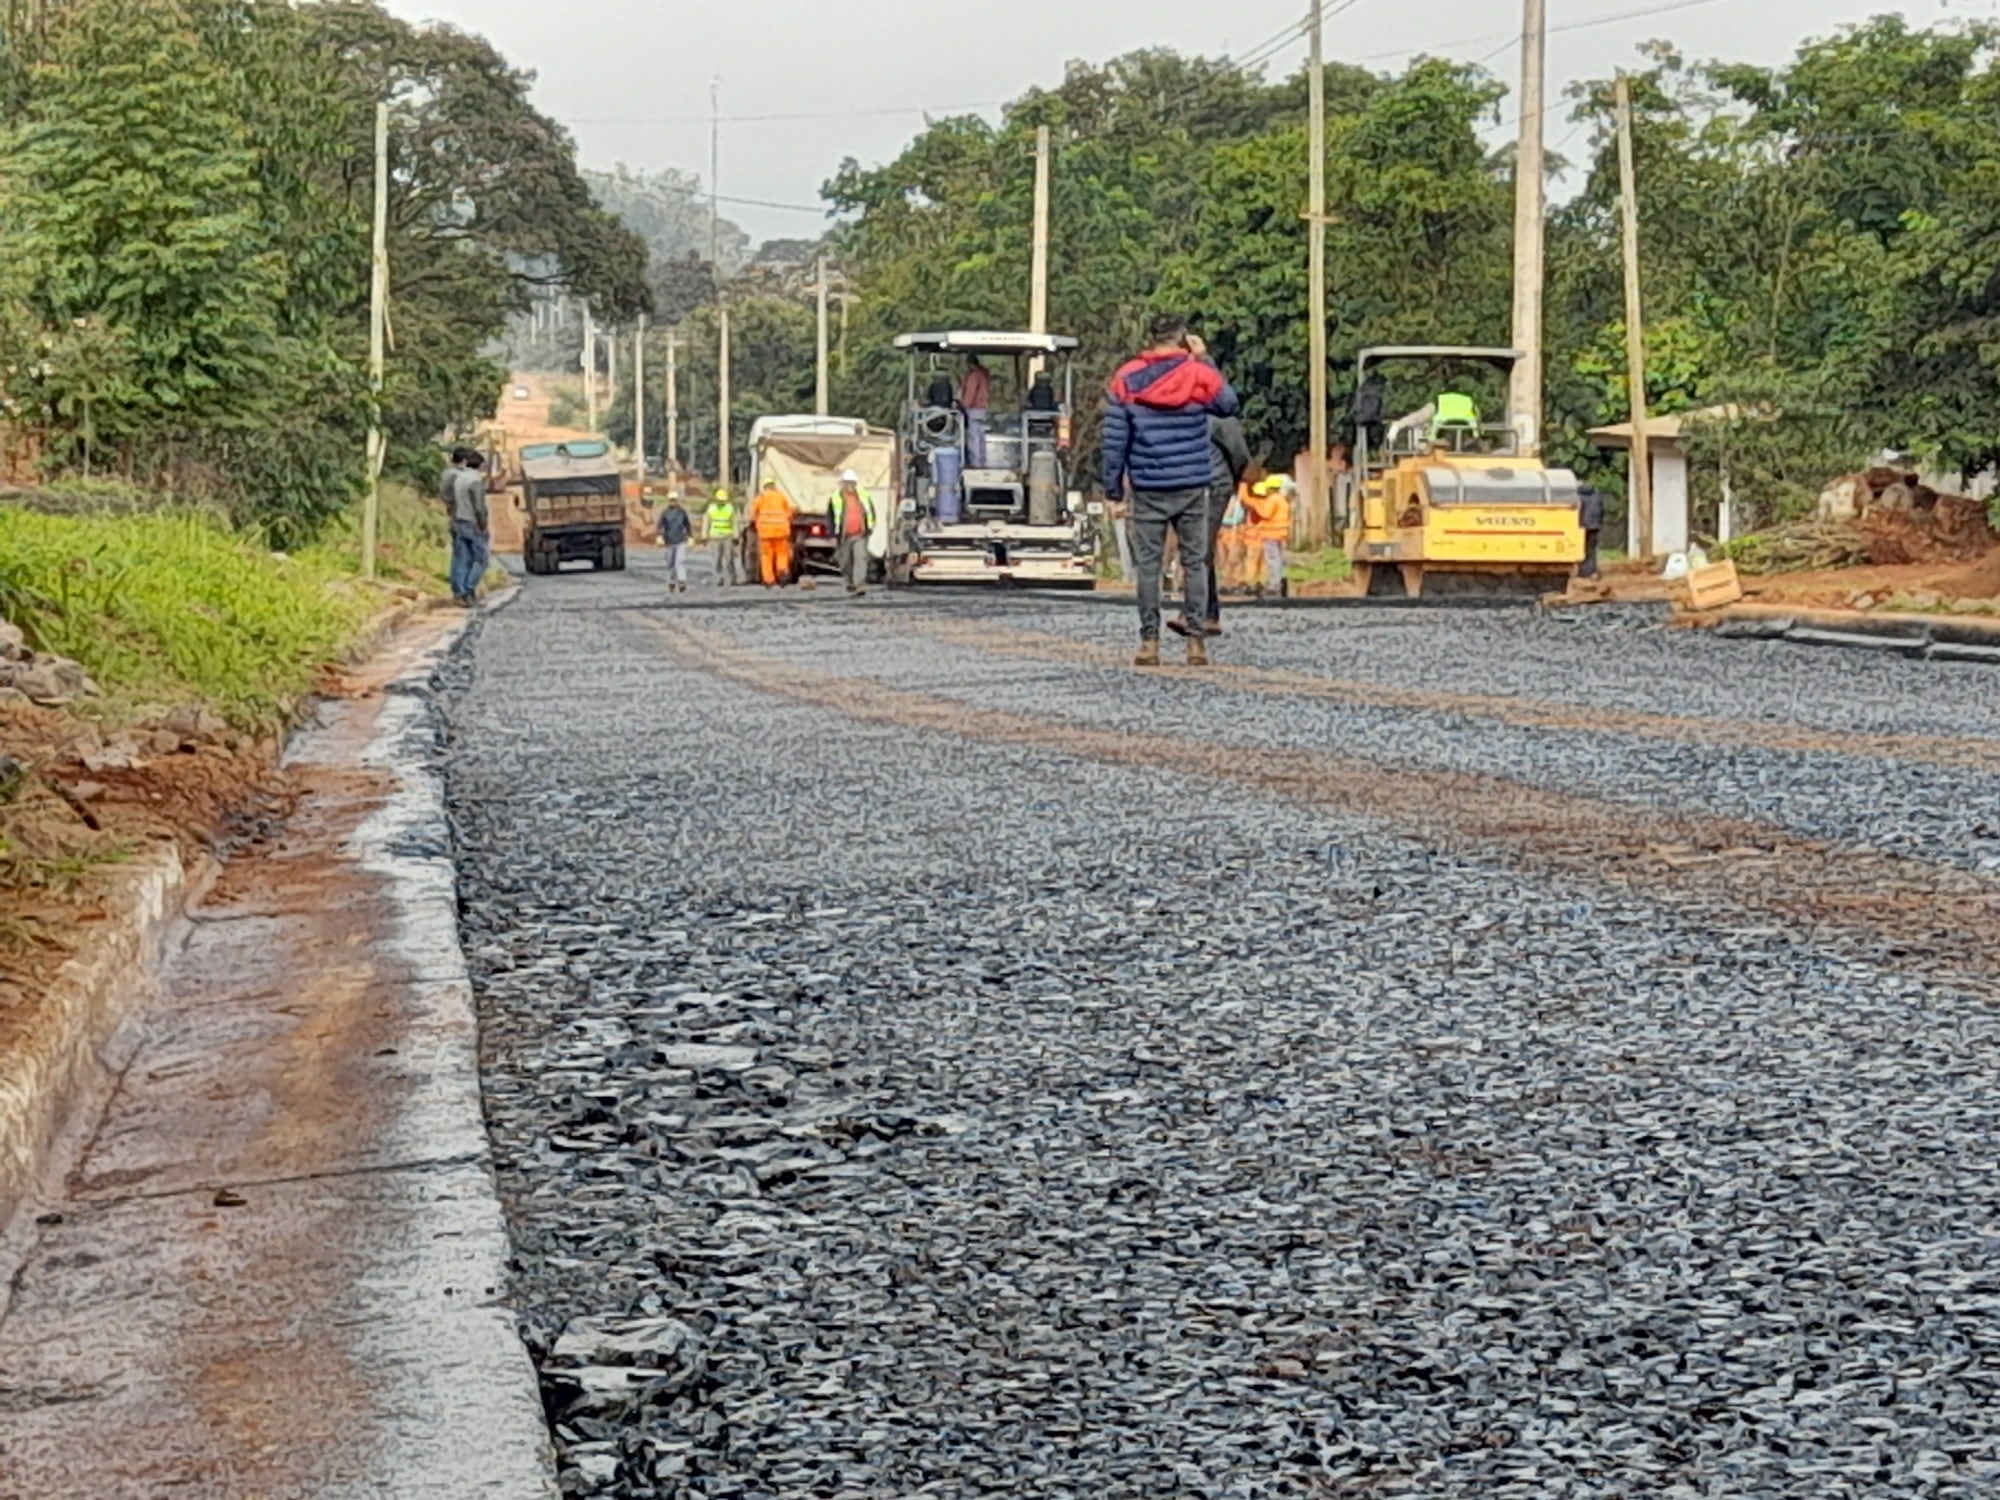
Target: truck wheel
x,y
618,557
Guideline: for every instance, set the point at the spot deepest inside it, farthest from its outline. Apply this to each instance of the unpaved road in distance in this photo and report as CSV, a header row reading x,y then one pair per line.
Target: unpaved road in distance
x,y
1428,1054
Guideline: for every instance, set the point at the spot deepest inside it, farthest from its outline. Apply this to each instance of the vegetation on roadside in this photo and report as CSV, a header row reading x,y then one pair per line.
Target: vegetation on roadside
x,y
1329,565
175,607
185,214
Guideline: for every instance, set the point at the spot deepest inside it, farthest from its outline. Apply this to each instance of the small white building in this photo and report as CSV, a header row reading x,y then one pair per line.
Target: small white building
x,y
1668,454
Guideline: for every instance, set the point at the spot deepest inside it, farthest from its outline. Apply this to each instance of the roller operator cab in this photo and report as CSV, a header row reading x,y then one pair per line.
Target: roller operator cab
x,y
985,483
1444,501
574,497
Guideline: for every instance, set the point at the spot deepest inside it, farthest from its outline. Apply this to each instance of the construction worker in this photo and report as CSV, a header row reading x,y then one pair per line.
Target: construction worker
x,y
1453,411
1270,507
720,521
851,516
772,514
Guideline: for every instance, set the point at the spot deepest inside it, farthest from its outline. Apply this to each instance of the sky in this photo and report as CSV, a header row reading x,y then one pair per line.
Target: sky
x,y
631,78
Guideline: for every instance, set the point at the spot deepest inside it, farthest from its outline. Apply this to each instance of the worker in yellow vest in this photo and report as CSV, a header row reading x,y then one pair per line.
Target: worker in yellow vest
x,y
720,519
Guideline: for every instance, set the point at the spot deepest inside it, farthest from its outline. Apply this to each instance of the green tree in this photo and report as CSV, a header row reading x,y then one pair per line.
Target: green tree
x,y
138,227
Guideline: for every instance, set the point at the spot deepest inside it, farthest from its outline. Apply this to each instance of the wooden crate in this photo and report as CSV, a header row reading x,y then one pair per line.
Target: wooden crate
x,y
1712,587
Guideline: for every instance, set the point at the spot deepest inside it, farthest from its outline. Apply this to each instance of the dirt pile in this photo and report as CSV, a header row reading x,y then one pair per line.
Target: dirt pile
x,y
1903,520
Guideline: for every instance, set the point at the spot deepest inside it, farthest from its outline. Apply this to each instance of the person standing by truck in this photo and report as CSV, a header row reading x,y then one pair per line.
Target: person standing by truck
x,y
720,533
771,513
471,530
676,531
851,515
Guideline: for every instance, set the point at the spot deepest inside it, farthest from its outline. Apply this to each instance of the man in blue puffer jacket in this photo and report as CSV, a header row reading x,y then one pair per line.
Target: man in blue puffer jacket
x,y
1156,435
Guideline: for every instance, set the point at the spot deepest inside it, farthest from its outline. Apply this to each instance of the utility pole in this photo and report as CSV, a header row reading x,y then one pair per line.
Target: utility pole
x,y
823,405
639,397
673,401
722,401
1038,282
1524,392
1315,522
1635,330
715,270
378,324
590,369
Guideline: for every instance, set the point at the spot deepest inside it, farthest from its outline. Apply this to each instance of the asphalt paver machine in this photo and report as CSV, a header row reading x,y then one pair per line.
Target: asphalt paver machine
x,y
986,493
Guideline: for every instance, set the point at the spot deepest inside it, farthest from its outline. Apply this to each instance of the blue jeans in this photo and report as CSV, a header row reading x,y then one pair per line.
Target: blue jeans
x,y
468,561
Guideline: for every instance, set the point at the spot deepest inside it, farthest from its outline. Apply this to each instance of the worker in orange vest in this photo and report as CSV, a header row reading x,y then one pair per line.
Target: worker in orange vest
x,y
1270,505
771,513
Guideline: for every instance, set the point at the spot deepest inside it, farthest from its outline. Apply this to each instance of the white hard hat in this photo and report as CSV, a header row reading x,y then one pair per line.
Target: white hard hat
x,y
848,476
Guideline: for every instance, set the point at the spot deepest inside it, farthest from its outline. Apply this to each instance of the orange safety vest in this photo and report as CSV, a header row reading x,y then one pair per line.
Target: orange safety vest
x,y
772,513
1270,517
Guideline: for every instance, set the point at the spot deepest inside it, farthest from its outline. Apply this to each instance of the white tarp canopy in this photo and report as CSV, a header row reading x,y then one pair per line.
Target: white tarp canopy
x,y
804,456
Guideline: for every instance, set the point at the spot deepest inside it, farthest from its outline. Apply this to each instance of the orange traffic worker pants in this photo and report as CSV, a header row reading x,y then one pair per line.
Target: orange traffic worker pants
x,y
774,557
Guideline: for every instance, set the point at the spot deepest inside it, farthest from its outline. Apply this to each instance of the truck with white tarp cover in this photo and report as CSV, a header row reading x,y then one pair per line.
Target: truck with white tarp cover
x,y
805,456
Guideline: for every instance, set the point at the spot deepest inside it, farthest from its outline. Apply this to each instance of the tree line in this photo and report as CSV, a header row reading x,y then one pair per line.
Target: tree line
x,y
1820,242
186,200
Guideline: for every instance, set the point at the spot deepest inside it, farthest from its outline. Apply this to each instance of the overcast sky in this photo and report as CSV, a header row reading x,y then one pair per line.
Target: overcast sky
x,y
631,77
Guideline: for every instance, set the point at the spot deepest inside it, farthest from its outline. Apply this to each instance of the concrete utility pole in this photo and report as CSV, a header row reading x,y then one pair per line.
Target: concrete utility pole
x,y
722,400
673,401
715,270
639,397
589,369
1313,526
378,325
1524,393
1641,526
823,404
1038,281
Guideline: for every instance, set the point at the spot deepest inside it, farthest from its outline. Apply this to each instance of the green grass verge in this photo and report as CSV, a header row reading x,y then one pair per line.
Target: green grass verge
x,y
1329,564
173,607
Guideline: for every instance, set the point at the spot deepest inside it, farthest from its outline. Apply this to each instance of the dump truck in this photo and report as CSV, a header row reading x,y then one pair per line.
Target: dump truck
x,y
804,456
1445,502
573,499
986,495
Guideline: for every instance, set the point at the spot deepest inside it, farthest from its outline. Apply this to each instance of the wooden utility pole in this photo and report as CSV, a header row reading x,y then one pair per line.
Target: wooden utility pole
x,y
378,326
589,369
822,399
1635,330
1524,392
639,397
1315,528
1038,281
673,401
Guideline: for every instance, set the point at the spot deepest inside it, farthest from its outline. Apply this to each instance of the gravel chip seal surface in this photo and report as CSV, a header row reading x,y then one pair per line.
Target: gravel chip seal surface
x,y
891,1113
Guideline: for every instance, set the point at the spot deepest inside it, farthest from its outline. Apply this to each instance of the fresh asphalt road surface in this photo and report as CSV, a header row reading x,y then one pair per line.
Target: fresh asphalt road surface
x,y
1427,1053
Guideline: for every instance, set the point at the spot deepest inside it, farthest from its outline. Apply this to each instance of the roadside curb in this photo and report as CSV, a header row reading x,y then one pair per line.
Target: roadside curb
x,y
69,1056
271,1254
1917,637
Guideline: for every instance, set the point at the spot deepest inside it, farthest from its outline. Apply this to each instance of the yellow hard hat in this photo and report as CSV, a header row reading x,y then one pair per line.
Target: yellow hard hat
x,y
1271,484
722,494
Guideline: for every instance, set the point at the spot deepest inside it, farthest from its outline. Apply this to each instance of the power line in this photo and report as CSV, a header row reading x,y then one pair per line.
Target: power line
x,y
1667,7
830,114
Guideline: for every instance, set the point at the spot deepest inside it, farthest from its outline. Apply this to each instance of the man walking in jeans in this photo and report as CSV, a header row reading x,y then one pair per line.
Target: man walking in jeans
x,y
471,529
1156,435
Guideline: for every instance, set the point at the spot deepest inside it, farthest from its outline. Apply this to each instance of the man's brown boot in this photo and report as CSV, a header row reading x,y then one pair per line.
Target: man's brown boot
x,y
1149,654
1197,651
